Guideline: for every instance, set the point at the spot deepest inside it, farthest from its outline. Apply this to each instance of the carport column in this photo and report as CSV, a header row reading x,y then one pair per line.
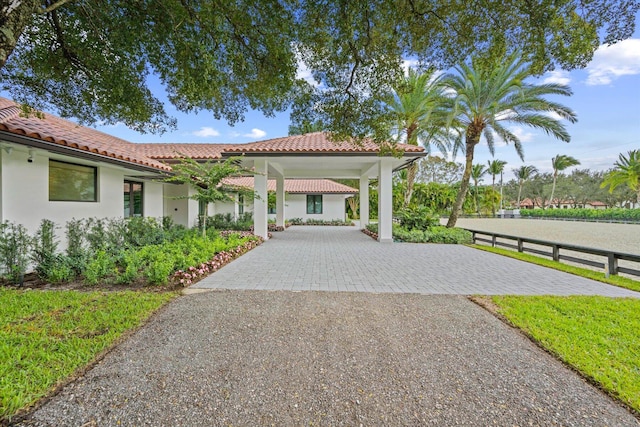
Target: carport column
x,y
260,201
364,201
385,200
280,200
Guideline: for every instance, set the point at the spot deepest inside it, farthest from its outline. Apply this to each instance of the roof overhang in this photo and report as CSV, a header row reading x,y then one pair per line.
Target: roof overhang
x,y
325,165
52,147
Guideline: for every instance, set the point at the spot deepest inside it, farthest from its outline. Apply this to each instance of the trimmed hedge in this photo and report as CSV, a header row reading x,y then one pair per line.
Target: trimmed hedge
x,y
435,234
615,214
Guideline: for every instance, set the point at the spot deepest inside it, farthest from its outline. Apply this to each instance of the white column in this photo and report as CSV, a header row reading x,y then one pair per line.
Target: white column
x,y
364,201
280,201
385,201
260,201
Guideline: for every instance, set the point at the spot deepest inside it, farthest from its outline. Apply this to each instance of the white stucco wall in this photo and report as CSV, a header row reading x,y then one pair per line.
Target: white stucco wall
x,y
25,192
153,204
177,209
332,207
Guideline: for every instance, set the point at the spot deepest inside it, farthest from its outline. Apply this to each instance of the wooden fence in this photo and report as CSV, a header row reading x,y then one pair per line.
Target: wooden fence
x,y
610,264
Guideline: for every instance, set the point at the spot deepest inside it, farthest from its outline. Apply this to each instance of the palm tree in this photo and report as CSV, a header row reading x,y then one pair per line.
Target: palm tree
x,y
477,172
487,96
560,163
524,173
626,171
495,167
416,106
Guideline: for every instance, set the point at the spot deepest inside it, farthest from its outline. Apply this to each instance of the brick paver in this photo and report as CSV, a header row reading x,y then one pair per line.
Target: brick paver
x,y
344,259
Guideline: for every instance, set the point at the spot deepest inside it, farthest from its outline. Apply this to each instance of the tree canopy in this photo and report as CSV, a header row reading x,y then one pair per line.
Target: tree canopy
x,y
93,60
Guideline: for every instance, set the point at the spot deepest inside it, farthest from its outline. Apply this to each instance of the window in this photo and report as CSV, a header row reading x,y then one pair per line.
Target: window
x,y
132,199
314,203
69,182
240,204
201,208
272,210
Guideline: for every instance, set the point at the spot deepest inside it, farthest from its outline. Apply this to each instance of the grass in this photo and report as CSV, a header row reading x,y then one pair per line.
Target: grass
x,y
596,335
622,282
47,336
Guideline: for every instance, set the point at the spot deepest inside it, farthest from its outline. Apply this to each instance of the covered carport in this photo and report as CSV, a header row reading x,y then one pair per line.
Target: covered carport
x,y
314,155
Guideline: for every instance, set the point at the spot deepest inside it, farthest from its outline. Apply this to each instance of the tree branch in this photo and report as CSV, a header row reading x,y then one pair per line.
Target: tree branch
x,y
54,6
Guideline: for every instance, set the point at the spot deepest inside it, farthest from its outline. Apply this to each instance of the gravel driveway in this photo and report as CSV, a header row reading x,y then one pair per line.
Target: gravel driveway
x,y
248,358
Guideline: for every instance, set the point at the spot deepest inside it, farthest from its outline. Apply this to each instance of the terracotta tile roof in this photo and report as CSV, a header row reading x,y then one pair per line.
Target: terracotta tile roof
x,y
66,133
299,186
317,142
163,151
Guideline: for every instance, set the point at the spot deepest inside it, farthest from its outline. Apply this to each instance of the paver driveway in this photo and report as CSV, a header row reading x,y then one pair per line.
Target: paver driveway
x,y
344,259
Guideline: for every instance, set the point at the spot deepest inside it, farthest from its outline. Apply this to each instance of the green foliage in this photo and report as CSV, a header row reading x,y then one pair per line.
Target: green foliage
x,y
45,247
596,335
496,90
88,60
626,171
15,246
206,179
45,337
435,234
417,218
100,267
228,221
77,250
615,214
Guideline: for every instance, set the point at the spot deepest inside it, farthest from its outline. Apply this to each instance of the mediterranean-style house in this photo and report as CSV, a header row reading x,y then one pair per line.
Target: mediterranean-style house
x,y
56,169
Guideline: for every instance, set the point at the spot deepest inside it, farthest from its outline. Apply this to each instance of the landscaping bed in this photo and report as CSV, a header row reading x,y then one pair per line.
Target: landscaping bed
x,y
433,234
118,254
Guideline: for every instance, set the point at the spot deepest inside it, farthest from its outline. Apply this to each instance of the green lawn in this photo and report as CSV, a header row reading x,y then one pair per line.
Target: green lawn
x,y
598,336
46,336
622,282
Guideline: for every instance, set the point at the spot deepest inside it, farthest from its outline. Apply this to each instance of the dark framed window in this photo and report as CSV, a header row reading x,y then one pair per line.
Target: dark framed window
x,y
69,182
132,199
240,204
272,210
201,208
314,203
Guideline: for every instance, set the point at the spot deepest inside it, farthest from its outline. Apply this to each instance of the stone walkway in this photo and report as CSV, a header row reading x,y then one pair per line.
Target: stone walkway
x,y
344,259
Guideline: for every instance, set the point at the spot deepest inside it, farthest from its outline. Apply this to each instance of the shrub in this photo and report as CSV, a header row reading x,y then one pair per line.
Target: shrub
x,y
15,246
436,234
45,247
229,222
102,266
77,251
614,214
417,218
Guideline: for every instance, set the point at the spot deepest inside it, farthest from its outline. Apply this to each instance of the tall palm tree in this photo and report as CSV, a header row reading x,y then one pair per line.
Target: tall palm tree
x,y
524,173
626,171
560,163
495,168
477,172
485,97
417,109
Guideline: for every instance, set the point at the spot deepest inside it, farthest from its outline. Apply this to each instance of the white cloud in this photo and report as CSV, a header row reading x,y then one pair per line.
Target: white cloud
x,y
554,115
556,77
255,133
611,62
206,132
522,134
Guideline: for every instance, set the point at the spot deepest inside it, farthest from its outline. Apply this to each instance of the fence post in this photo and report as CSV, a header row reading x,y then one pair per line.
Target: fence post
x,y
473,237
520,246
613,263
493,240
556,253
